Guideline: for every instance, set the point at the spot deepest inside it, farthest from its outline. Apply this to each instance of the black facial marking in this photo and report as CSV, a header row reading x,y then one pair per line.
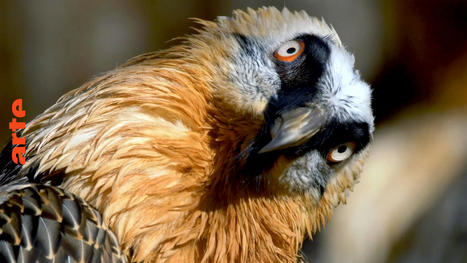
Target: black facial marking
x,y
335,134
298,82
308,67
298,87
299,77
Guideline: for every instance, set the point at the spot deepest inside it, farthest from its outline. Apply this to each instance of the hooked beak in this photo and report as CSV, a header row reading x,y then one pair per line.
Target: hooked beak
x,y
294,127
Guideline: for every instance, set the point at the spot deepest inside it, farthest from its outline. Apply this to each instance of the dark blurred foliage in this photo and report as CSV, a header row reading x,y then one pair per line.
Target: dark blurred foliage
x,y
414,53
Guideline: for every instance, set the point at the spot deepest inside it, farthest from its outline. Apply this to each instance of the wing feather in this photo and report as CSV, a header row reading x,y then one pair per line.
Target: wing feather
x,y
46,224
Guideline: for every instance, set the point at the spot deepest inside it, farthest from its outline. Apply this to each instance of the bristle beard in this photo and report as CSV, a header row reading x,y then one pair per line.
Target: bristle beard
x,y
149,146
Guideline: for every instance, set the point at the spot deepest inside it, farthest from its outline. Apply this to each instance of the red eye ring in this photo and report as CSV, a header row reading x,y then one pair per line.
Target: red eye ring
x,y
289,51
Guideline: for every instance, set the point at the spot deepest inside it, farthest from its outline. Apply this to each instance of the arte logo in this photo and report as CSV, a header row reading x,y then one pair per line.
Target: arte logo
x,y
18,152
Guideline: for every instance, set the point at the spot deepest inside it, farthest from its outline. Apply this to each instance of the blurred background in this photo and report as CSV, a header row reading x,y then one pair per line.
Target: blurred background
x,y
411,202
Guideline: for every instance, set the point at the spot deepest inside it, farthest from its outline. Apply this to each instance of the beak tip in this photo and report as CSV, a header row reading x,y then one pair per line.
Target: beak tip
x,y
265,149
275,144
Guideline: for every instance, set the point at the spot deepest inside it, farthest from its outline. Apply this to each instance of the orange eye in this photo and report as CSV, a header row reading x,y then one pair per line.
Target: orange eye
x,y
341,152
290,50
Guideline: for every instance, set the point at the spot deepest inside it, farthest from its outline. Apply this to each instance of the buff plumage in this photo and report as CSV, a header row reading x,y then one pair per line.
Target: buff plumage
x,y
155,146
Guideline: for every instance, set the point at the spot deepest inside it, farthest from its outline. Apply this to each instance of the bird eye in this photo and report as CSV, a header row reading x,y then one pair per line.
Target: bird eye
x,y
289,51
341,152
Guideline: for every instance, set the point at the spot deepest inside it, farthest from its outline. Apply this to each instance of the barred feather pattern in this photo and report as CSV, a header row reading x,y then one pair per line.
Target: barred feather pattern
x,y
45,224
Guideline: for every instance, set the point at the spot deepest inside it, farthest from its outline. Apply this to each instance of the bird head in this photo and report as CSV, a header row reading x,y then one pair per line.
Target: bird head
x,y
306,112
